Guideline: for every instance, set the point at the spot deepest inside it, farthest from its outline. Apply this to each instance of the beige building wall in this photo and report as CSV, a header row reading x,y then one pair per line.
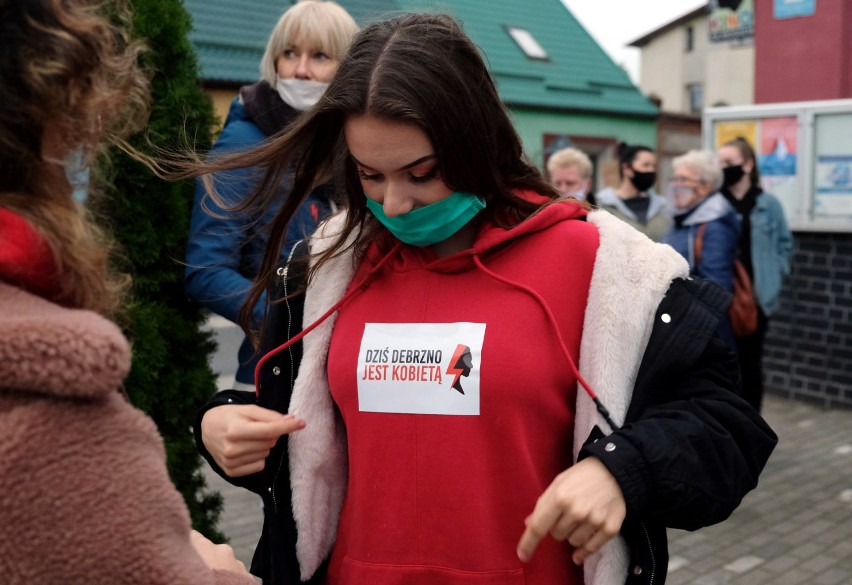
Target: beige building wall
x,y
730,75
661,70
694,61
724,70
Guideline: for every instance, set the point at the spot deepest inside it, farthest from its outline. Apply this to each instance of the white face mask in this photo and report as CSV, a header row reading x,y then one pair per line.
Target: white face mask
x,y
77,171
681,197
300,94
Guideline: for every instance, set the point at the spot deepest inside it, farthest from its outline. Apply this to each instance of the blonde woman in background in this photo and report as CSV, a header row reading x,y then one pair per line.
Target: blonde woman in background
x,y
225,247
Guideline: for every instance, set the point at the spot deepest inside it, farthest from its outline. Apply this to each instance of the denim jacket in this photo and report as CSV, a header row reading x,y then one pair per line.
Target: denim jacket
x,y
771,247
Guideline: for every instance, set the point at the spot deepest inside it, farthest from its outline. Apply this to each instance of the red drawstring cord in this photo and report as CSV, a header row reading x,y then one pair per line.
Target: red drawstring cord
x,y
363,284
345,299
601,408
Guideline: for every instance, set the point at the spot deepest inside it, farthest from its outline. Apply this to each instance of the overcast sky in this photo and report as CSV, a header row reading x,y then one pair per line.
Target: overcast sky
x,y
614,23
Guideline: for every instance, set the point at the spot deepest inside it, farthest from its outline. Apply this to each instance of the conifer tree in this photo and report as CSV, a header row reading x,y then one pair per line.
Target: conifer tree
x,y
170,376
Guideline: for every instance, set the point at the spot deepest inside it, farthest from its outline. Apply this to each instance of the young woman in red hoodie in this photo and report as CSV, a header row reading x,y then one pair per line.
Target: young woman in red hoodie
x,y
456,336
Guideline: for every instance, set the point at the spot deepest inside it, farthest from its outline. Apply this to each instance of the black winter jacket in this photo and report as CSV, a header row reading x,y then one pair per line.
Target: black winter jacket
x,y
687,382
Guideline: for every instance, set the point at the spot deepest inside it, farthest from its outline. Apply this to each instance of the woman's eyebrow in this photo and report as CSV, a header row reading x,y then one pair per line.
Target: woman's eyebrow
x,y
420,160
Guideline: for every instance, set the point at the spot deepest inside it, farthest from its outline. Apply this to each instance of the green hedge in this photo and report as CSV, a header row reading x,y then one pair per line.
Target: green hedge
x,y
149,218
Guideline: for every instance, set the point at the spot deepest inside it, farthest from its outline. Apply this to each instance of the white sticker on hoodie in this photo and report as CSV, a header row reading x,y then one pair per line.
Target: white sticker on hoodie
x,y
420,368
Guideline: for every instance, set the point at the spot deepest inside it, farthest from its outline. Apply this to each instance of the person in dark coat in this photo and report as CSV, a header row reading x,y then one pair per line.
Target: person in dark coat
x,y
764,248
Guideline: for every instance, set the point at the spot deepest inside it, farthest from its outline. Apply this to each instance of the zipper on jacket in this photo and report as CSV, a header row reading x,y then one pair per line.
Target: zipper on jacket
x,y
281,459
650,550
274,481
292,381
289,312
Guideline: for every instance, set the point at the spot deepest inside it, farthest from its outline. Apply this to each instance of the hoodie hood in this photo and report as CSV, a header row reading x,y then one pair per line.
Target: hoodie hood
x,y
489,238
26,259
609,198
388,253
46,348
631,277
711,208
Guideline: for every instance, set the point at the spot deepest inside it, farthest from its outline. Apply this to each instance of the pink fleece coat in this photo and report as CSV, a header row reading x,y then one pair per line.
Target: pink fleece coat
x,y
84,493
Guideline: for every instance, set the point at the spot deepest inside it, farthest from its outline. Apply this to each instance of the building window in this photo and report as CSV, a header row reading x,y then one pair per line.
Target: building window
x,y
695,95
531,47
690,38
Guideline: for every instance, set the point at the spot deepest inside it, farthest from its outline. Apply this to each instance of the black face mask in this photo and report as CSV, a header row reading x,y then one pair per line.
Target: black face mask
x,y
732,175
643,181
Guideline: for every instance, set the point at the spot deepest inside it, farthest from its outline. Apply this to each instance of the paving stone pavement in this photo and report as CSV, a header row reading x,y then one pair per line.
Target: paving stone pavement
x,y
794,529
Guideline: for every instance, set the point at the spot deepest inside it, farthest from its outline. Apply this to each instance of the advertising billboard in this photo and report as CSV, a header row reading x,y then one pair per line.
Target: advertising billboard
x,y
731,20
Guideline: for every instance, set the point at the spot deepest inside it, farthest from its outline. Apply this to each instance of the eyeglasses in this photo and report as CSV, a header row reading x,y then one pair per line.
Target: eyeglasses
x,y
680,180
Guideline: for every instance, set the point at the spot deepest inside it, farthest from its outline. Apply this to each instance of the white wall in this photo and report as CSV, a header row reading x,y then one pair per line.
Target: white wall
x,y
730,75
726,70
661,70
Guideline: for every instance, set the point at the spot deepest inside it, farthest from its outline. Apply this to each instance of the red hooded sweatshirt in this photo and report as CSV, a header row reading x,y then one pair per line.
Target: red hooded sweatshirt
x,y
26,260
458,404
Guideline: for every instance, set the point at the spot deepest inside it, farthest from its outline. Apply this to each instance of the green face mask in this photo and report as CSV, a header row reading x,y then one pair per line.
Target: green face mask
x,y
433,223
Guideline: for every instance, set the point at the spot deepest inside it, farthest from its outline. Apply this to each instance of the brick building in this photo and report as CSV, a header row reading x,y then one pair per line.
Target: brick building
x,y
809,344
804,56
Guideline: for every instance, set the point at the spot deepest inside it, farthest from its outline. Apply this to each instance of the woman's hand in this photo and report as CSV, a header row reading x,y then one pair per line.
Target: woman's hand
x,y
240,436
584,505
219,557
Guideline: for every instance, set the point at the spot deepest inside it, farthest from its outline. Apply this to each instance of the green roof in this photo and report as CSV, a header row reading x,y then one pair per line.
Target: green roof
x,y
577,76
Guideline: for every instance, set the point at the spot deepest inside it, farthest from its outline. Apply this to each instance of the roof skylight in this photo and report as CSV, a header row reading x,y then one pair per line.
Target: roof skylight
x,y
527,43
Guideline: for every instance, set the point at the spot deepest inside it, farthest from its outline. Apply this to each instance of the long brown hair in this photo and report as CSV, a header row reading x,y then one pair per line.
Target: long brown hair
x,y
419,68
69,83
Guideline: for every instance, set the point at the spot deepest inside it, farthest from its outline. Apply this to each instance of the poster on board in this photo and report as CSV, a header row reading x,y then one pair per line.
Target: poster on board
x,y
727,131
833,195
775,142
777,159
793,8
731,20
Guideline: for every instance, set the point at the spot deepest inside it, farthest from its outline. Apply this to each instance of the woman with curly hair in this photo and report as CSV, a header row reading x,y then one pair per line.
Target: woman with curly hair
x,y
84,492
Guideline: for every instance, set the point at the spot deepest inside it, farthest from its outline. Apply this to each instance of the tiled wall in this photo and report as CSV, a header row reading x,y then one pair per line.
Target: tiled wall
x,y
808,351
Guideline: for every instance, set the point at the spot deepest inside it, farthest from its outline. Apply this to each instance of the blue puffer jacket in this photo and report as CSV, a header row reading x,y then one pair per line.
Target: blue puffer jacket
x,y
224,253
719,245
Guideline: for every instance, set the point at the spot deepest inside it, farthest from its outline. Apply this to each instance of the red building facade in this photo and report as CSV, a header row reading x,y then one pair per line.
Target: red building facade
x,y
803,58
808,351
